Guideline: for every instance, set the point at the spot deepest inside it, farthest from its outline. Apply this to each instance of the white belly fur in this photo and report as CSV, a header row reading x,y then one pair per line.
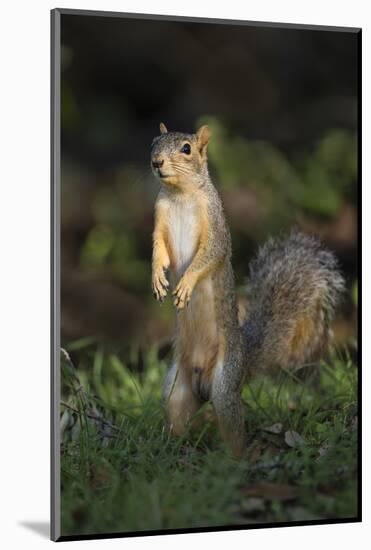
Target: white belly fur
x,y
197,320
183,234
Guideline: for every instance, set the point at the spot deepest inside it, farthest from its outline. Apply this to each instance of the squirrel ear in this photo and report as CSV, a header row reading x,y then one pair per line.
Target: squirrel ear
x,y
203,136
163,128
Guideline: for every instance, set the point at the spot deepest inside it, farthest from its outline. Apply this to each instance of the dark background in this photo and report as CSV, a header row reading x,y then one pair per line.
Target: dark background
x,y
282,106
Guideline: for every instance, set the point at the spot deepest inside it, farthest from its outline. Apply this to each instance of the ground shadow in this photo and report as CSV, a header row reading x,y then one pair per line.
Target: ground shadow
x,y
42,528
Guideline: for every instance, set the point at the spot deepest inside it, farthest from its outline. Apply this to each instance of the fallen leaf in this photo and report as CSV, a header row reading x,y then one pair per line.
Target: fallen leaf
x,y
271,491
293,439
252,505
274,429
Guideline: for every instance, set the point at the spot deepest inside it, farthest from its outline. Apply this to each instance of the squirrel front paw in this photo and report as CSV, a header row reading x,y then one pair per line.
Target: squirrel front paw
x,y
159,284
182,293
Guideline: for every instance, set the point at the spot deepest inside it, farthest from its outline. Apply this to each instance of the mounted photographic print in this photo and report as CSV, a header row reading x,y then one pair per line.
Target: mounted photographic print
x,y
205,192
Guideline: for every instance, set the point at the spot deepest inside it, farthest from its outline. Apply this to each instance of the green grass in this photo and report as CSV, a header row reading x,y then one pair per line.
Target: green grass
x,y
122,471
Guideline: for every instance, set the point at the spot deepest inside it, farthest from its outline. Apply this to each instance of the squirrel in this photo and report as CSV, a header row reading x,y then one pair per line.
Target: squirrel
x,y
294,286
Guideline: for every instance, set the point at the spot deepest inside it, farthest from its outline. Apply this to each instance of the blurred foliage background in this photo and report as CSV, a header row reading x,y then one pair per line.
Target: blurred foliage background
x,y
282,106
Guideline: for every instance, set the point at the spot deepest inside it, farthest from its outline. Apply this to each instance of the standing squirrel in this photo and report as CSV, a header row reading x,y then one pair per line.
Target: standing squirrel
x,y
294,286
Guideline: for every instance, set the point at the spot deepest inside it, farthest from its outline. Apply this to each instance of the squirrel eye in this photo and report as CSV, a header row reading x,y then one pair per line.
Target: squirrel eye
x,y
186,149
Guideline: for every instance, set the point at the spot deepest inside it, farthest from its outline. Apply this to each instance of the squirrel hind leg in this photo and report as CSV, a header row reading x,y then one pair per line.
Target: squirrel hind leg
x,y
180,402
228,407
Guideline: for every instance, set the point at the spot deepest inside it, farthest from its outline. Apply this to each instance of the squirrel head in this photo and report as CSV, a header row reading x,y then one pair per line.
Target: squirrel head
x,y
179,160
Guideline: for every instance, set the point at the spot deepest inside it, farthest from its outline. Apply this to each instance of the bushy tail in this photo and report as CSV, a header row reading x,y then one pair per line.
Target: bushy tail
x,y
293,289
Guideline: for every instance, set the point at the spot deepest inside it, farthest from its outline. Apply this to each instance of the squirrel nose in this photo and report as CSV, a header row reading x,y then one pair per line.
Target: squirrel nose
x,y
157,163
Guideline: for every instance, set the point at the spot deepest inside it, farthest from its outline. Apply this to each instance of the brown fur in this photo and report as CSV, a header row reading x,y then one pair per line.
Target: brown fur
x,y
294,287
304,332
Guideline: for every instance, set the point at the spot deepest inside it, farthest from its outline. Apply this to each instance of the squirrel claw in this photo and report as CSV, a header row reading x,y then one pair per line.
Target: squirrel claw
x,y
182,294
159,293
160,285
